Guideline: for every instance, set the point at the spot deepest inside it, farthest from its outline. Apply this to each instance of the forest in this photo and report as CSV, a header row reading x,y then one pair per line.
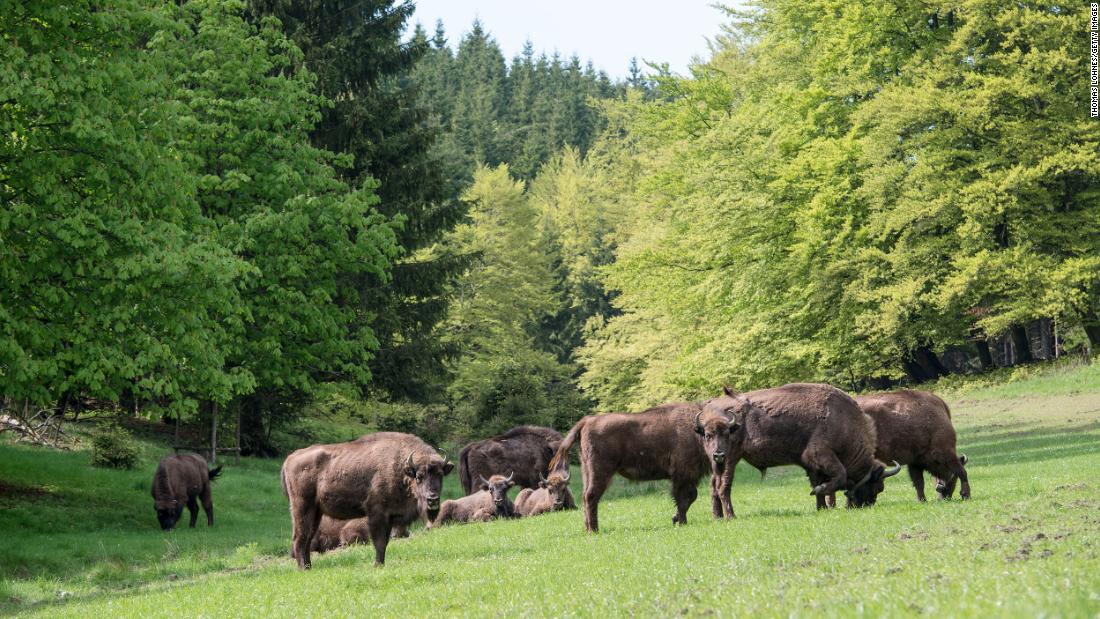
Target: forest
x,y
315,216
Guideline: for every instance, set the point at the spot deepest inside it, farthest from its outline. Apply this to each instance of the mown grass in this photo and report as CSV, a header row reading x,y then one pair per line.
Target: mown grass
x,y
1026,545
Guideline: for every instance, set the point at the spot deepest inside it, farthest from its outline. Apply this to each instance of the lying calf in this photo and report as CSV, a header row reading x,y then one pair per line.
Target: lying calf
x,y
553,494
490,502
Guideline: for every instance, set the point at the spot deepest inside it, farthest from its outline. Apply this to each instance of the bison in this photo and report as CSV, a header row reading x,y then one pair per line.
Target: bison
x,y
488,503
333,534
524,452
179,481
388,477
914,428
553,494
817,427
655,444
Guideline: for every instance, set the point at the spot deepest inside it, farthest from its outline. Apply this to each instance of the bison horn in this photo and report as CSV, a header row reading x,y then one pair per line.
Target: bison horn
x,y
565,474
409,460
483,480
697,415
541,478
894,470
962,459
442,453
511,476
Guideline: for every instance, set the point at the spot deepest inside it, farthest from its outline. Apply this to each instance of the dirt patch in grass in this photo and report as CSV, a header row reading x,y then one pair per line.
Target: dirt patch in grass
x,y
10,491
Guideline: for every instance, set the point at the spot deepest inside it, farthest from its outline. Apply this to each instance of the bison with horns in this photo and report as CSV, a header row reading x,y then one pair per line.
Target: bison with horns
x,y
389,478
552,495
815,426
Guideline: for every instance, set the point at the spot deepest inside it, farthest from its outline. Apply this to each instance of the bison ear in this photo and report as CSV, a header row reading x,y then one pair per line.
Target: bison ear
x,y
410,472
729,391
699,430
448,467
542,483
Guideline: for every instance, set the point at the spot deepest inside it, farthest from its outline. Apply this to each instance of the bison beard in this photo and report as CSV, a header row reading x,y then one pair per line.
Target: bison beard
x,y
183,480
914,428
389,478
523,451
656,444
817,427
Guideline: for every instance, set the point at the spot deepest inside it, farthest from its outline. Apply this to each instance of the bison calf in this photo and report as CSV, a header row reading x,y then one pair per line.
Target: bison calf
x,y
333,534
815,426
179,481
488,503
553,494
656,444
388,477
914,428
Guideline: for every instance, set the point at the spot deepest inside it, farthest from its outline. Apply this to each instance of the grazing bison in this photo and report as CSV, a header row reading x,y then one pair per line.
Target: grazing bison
x,y
817,427
524,452
179,481
388,477
488,503
656,444
553,494
914,428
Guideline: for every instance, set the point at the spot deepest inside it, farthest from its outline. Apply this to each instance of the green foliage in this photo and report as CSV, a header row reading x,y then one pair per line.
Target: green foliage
x,y
114,447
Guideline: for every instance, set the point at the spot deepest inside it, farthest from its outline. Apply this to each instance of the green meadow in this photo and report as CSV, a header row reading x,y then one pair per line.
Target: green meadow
x,y
84,542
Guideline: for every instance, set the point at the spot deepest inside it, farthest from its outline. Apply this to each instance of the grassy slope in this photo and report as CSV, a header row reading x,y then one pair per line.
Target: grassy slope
x,y
1025,545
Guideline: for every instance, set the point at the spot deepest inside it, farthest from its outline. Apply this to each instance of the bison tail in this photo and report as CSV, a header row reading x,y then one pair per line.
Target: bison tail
x,y
213,474
561,458
464,470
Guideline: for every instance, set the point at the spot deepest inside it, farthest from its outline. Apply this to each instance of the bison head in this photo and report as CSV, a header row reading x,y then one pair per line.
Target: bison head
x,y
865,492
945,488
720,418
426,473
168,513
498,486
557,486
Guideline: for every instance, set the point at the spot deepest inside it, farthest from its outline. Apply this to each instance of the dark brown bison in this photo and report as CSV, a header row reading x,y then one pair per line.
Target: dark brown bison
x,y
817,427
524,452
659,443
183,480
553,494
914,428
488,503
388,477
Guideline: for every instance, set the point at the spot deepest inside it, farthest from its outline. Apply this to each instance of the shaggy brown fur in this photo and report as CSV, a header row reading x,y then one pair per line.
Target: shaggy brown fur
x,y
488,503
817,427
914,428
659,443
553,494
524,451
183,480
388,477
333,534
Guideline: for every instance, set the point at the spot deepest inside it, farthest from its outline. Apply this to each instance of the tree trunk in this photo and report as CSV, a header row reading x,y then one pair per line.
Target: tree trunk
x,y
1091,324
1022,344
984,354
213,433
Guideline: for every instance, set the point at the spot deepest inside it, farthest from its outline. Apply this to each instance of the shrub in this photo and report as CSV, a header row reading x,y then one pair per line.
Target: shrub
x,y
114,447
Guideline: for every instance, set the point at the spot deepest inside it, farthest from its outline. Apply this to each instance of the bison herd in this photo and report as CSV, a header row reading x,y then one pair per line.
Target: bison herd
x,y
374,487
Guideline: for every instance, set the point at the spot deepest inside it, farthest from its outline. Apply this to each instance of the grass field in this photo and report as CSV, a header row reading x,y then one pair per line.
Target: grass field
x,y
84,542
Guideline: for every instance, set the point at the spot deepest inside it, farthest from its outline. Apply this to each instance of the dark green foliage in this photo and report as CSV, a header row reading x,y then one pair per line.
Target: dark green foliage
x,y
114,447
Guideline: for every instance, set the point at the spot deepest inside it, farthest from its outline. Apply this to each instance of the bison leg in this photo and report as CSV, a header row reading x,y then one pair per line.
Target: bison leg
x,y
305,520
916,475
828,473
380,537
684,492
715,500
596,483
193,507
399,530
208,506
720,486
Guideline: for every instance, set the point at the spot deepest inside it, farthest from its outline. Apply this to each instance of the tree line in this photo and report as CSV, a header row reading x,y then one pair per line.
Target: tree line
x,y
310,213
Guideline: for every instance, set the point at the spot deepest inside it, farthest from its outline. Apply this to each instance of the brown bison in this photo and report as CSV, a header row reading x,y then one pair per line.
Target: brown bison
x,y
817,427
488,503
388,477
179,481
553,494
523,452
914,428
659,443
333,534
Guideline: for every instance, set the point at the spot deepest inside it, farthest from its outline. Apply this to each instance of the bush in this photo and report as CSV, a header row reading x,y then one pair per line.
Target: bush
x,y
114,447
